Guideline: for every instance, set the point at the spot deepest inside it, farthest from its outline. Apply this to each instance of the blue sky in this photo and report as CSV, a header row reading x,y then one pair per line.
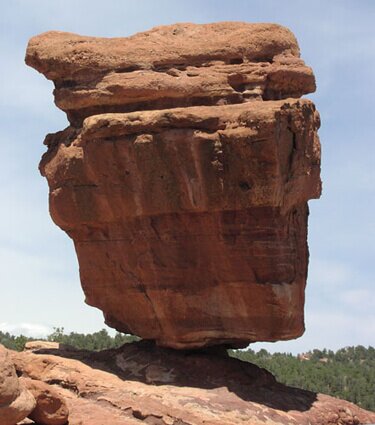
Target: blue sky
x,y
39,283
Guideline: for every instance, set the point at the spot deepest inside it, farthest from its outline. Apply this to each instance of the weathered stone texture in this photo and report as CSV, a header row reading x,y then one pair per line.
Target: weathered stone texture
x,y
51,408
140,383
16,402
177,65
184,177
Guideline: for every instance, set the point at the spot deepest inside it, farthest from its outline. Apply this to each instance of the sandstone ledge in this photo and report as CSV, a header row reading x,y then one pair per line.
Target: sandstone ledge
x,y
140,383
170,66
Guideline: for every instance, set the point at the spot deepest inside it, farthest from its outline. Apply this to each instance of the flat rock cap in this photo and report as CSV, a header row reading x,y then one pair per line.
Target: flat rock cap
x,y
59,54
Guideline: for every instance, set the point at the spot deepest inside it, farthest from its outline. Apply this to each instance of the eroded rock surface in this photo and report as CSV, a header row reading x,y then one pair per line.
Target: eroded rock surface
x,y
50,408
16,402
140,383
177,65
184,177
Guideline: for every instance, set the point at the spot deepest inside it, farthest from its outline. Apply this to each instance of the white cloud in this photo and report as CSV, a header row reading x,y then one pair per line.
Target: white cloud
x,y
31,330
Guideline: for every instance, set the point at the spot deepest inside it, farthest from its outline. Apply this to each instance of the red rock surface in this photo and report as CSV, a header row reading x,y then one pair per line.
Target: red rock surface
x,y
51,408
176,65
184,177
16,402
140,383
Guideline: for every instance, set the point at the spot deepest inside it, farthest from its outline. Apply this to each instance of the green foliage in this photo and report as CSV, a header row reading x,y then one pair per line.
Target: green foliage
x,y
348,373
97,341
16,343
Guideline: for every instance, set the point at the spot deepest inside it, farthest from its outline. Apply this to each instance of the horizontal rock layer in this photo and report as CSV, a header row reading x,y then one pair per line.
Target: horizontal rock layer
x,y
178,65
190,223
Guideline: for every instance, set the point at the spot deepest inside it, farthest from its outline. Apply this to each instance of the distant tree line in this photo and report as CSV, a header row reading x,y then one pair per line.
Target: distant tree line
x,y
348,373
96,341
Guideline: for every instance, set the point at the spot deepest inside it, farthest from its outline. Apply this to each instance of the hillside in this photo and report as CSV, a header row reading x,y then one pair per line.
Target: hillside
x,y
348,373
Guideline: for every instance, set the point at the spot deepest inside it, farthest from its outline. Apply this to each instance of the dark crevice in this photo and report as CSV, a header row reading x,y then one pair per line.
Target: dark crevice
x,y
167,67
239,88
148,418
235,61
63,384
70,184
76,117
66,84
161,129
294,141
126,69
271,94
92,185
244,186
292,153
262,59
81,80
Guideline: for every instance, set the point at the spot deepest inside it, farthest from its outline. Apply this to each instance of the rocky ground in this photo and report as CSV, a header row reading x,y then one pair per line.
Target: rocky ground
x,y
141,383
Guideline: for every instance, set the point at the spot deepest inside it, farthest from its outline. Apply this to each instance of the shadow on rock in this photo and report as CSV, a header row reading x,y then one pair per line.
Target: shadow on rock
x,y
210,368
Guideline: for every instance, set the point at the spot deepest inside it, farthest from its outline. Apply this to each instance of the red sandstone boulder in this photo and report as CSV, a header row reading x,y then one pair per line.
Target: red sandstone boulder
x,y
51,408
184,177
40,345
16,402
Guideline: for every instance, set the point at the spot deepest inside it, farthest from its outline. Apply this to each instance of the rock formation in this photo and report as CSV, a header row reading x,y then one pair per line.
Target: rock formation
x,y
140,383
16,402
184,177
51,408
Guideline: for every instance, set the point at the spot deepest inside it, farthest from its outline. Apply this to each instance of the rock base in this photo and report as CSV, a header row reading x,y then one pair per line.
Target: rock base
x,y
142,383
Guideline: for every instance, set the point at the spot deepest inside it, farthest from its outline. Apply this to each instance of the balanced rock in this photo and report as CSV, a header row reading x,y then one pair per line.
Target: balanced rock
x,y
184,177
16,402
